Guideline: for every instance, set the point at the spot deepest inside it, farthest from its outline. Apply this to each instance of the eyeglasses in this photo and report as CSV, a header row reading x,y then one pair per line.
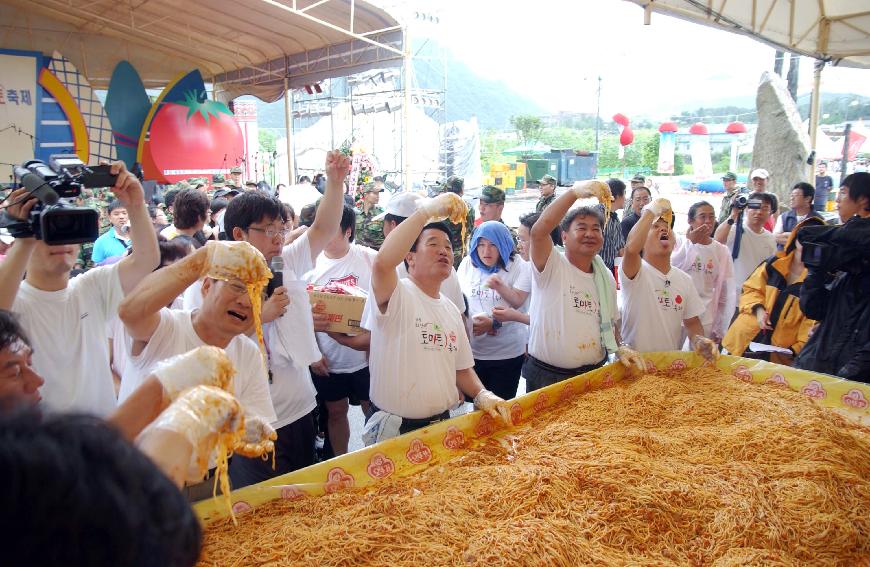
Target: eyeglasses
x,y
271,232
237,288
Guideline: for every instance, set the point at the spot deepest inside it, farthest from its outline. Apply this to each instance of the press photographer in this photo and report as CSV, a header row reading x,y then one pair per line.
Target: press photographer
x,y
836,292
749,243
53,219
67,318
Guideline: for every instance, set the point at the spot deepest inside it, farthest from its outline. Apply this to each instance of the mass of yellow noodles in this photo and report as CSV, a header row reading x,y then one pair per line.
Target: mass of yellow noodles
x,y
679,468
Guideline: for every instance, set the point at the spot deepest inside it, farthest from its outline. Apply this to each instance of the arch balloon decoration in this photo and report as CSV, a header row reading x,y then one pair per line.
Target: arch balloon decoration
x,y
667,146
699,146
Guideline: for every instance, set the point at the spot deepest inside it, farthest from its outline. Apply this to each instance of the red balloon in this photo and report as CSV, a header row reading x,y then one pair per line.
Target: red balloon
x,y
736,127
620,119
627,136
668,127
698,128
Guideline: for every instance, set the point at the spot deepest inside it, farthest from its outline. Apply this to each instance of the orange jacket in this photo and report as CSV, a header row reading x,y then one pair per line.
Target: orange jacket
x,y
769,288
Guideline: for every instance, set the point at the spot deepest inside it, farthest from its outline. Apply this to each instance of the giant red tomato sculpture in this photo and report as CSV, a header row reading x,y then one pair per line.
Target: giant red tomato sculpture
x,y
194,138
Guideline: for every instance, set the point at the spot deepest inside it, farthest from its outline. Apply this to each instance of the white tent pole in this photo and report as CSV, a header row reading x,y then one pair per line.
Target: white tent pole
x,y
814,114
406,111
288,126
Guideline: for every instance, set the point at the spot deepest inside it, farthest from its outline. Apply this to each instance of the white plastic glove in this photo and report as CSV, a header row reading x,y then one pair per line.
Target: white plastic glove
x,y
236,260
659,208
631,359
590,188
493,405
445,205
202,366
200,415
258,438
707,349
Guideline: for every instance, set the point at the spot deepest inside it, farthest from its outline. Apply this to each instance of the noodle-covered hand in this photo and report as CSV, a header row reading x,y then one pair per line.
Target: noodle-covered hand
x,y
706,349
236,260
493,405
258,438
444,206
201,415
590,188
202,366
660,208
630,358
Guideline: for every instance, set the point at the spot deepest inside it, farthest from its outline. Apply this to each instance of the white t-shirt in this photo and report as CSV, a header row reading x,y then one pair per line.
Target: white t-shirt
x,y
354,268
121,344
565,315
754,249
68,331
417,347
510,340
712,271
175,335
293,393
655,306
450,287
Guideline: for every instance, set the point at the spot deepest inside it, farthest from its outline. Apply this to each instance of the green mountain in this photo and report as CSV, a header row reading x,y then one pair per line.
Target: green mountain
x,y
839,107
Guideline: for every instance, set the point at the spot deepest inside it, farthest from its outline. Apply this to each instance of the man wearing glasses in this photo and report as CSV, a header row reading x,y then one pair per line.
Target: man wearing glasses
x,y
640,197
547,185
259,220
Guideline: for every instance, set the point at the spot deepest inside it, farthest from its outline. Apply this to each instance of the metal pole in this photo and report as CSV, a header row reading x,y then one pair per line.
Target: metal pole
x,y
598,114
406,111
288,126
844,163
814,115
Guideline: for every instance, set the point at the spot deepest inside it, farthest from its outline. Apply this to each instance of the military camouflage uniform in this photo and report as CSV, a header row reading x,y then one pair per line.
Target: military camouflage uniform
x,y
97,200
544,202
370,232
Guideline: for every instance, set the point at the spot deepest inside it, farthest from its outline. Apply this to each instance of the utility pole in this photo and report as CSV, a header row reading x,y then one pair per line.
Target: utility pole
x,y
598,113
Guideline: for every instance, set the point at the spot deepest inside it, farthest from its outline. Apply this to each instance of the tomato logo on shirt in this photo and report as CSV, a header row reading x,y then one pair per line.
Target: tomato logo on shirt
x,y
678,299
433,337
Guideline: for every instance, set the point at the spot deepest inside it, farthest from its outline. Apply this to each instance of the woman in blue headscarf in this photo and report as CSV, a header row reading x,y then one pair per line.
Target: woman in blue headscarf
x,y
493,275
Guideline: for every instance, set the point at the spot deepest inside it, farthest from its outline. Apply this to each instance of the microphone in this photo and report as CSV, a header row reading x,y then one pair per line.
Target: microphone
x,y
36,186
277,266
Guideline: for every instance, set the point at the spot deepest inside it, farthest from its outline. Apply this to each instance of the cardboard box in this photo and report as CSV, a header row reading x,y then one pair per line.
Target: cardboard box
x,y
344,311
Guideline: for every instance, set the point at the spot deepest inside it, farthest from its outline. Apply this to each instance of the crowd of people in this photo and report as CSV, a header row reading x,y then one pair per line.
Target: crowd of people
x,y
460,308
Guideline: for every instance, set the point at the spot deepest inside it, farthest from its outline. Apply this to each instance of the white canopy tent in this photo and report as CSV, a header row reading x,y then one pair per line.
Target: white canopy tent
x,y
831,31
258,47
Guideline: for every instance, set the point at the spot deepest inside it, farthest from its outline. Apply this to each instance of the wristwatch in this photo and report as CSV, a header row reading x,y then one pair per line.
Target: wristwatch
x,y
730,222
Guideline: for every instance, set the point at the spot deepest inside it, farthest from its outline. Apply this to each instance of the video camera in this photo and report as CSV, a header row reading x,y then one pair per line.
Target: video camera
x,y
842,248
52,220
742,201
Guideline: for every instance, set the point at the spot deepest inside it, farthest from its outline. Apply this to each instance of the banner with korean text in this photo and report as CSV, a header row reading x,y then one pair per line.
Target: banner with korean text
x,y
18,108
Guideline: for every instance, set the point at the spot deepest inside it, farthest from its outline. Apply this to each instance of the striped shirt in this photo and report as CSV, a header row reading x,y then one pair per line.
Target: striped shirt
x,y
614,241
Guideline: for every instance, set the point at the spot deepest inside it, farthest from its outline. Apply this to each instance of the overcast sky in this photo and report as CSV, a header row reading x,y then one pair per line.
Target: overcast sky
x,y
646,70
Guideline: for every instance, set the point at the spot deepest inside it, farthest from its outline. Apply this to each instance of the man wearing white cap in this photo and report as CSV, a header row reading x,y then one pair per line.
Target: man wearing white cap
x,y
759,179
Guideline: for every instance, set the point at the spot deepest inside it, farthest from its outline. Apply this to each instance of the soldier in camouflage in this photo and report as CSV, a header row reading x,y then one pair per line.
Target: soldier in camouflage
x,y
547,185
370,232
96,199
456,184
492,201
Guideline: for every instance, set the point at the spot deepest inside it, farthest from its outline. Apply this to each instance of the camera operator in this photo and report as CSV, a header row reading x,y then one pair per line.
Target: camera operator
x,y
66,318
750,244
836,291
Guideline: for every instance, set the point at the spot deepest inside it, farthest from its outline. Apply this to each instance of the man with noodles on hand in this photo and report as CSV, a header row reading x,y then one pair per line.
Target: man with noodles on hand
x,y
234,272
573,310
659,298
420,352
